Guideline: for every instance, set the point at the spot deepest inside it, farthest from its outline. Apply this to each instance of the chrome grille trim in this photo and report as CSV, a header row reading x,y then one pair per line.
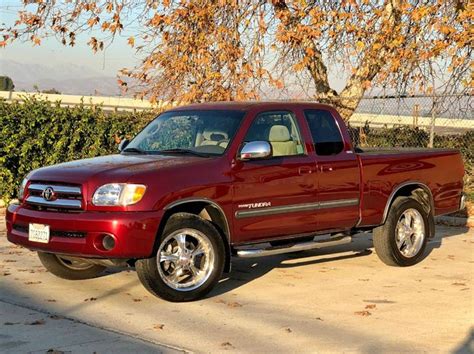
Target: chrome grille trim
x,y
58,203
57,188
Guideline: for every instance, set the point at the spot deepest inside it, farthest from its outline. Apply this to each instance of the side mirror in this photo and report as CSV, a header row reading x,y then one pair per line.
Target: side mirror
x,y
123,144
255,150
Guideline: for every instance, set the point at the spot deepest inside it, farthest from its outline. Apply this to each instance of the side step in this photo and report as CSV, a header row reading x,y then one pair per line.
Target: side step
x,y
302,246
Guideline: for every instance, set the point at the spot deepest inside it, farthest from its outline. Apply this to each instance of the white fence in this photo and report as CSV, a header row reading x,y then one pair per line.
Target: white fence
x,y
130,104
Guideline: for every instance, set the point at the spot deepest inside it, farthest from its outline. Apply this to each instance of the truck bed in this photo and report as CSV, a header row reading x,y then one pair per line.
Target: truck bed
x,y
383,171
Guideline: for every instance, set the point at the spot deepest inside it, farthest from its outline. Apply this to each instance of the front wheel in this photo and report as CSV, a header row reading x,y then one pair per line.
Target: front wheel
x,y
189,260
69,267
402,240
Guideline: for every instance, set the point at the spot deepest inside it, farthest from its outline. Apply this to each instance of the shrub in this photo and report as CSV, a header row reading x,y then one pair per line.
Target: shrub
x,y
37,133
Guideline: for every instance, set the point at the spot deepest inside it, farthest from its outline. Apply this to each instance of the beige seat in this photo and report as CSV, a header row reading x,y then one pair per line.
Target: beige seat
x,y
214,137
281,142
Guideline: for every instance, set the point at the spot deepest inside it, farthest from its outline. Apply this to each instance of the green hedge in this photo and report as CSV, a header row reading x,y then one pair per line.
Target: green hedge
x,y
37,133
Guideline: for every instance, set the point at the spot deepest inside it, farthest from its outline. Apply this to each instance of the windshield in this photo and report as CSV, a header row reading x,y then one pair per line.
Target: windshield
x,y
200,132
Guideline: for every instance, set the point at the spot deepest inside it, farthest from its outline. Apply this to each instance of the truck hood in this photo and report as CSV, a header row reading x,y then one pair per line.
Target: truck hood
x,y
111,168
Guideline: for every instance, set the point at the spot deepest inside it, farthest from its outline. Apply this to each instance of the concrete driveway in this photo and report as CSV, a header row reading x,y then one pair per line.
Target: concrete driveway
x,y
339,299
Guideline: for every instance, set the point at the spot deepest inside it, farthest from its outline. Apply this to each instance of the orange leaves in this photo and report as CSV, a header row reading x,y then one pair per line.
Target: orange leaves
x,y
220,50
93,21
360,45
35,39
95,44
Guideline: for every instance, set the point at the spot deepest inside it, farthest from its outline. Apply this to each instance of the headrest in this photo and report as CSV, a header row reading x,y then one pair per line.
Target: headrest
x,y
279,133
214,135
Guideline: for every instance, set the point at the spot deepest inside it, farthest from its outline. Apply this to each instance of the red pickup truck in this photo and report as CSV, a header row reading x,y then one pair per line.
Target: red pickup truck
x,y
206,182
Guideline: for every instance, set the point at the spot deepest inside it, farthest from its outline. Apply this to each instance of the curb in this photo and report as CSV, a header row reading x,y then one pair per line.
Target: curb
x,y
455,221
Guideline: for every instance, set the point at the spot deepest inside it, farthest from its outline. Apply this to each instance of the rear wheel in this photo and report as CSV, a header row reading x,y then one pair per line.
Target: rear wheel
x,y
69,267
189,260
402,240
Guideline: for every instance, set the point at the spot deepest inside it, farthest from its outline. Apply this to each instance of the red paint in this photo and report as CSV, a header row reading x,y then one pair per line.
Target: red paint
x,y
229,183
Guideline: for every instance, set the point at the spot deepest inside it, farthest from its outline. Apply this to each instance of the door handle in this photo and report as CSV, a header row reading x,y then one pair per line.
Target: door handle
x,y
305,170
326,168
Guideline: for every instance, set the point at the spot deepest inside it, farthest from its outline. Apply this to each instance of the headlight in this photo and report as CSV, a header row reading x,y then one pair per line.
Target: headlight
x,y
118,194
21,190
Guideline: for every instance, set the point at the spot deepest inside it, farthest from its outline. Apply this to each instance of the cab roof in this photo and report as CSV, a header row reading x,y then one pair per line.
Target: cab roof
x,y
247,105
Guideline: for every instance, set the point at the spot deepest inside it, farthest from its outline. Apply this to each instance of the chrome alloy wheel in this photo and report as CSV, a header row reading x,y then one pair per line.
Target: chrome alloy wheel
x,y
410,233
74,263
185,259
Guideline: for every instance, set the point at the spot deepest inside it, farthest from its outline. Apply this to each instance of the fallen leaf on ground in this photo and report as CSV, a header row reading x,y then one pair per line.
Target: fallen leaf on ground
x,y
362,313
381,301
54,351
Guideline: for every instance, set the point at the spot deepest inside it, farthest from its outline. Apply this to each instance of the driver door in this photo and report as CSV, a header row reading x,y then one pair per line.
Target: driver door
x,y
276,196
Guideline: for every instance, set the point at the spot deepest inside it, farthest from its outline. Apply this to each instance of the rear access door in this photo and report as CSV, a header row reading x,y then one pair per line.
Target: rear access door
x,y
337,171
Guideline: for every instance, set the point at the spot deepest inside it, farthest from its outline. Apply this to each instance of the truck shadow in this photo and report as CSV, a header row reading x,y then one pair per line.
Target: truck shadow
x,y
245,270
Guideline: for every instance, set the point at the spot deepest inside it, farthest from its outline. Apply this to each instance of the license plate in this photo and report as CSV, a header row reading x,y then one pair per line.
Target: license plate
x,y
38,233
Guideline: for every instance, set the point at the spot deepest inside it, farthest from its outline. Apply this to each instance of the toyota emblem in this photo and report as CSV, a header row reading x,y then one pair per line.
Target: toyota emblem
x,y
48,194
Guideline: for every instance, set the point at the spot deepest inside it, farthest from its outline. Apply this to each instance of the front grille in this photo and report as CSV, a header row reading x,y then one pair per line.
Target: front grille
x,y
61,197
53,233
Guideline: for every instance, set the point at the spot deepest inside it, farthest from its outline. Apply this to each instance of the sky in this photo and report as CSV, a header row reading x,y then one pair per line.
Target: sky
x,y
117,56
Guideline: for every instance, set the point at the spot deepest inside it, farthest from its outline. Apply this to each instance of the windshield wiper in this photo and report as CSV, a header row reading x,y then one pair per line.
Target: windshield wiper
x,y
134,150
183,151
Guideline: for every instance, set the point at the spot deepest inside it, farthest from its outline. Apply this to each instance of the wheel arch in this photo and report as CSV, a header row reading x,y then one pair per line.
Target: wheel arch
x,y
206,209
417,190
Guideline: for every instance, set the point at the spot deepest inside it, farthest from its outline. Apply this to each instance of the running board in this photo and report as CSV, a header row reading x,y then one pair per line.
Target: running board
x,y
303,246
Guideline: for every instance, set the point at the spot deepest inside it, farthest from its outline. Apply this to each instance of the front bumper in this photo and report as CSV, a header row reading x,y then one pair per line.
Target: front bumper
x,y
80,234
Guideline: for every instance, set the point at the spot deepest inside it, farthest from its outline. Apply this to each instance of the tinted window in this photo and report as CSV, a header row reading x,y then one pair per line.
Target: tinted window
x,y
326,135
280,130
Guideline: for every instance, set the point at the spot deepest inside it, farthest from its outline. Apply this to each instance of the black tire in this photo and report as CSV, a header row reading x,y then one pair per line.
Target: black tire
x,y
61,269
384,236
149,274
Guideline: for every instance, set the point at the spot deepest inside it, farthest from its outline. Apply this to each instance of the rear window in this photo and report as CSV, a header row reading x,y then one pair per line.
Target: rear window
x,y
325,132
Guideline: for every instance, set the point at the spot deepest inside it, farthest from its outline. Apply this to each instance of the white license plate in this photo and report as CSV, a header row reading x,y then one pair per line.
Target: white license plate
x,y
38,233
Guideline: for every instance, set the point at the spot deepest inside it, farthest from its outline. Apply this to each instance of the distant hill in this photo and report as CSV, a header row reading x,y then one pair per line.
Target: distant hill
x,y
68,79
